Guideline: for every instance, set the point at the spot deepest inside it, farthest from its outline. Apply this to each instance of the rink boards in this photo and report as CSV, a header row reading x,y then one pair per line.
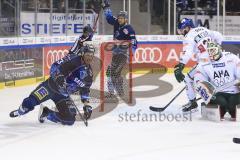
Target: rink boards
x,y
26,60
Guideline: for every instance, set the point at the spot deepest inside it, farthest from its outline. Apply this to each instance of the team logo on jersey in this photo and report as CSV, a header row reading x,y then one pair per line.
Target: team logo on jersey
x,y
218,65
41,93
221,73
125,31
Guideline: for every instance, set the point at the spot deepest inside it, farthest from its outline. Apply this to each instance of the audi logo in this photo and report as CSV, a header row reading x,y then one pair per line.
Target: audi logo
x,y
54,55
147,55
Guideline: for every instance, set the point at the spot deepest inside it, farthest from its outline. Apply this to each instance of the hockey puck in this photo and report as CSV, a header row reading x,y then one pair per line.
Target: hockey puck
x,y
236,140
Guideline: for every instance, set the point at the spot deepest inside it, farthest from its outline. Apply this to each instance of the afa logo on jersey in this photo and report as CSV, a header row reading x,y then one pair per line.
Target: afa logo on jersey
x,y
221,73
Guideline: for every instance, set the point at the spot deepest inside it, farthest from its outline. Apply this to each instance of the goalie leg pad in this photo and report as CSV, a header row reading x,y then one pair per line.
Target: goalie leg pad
x,y
234,100
210,112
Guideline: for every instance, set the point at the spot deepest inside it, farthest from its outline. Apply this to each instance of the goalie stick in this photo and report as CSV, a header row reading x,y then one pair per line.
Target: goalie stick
x,y
158,109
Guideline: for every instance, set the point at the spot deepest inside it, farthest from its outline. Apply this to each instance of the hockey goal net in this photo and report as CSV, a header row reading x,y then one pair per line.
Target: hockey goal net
x,y
112,82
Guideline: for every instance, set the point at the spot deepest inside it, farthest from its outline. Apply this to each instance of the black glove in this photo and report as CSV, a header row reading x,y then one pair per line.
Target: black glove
x,y
178,72
60,81
87,111
105,4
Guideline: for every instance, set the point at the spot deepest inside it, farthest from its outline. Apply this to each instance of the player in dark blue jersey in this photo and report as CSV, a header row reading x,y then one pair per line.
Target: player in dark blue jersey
x,y
123,32
86,36
70,74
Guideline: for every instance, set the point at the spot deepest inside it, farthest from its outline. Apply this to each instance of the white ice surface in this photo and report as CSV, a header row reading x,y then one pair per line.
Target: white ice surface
x,y
108,139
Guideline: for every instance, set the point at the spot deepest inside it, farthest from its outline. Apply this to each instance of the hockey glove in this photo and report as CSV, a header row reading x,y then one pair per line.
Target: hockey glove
x,y
87,111
178,72
107,12
105,4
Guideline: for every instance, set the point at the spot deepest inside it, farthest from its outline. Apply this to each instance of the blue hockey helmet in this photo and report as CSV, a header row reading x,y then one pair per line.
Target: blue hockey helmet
x,y
185,22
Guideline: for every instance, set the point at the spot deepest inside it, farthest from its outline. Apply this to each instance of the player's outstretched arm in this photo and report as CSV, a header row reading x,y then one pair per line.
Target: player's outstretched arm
x,y
109,17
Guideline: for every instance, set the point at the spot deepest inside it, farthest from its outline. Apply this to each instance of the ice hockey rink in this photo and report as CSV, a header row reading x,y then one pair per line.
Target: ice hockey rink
x,y
111,138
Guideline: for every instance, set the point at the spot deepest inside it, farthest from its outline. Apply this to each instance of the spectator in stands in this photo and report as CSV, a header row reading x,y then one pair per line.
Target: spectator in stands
x,y
75,6
94,5
44,5
232,7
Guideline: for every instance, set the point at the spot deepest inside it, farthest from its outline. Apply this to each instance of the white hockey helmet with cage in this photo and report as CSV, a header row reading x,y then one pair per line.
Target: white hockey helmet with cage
x,y
214,51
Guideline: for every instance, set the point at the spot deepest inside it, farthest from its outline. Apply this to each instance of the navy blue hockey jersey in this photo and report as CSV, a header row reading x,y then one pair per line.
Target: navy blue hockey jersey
x,y
125,32
78,75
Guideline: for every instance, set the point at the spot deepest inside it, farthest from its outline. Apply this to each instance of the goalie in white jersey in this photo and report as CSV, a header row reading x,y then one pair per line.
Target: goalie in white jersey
x,y
194,45
223,68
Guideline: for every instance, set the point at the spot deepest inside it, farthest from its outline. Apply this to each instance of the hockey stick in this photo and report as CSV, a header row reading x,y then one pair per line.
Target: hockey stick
x,y
95,23
157,109
80,115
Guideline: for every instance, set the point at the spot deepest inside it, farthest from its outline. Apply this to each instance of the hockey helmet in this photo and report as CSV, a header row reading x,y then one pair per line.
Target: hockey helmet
x,y
87,29
185,22
123,14
214,51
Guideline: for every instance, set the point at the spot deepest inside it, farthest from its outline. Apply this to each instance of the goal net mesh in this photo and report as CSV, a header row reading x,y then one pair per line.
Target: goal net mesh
x,y
111,83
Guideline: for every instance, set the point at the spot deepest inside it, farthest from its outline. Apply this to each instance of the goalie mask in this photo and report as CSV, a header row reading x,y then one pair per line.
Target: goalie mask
x,y
214,51
87,53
